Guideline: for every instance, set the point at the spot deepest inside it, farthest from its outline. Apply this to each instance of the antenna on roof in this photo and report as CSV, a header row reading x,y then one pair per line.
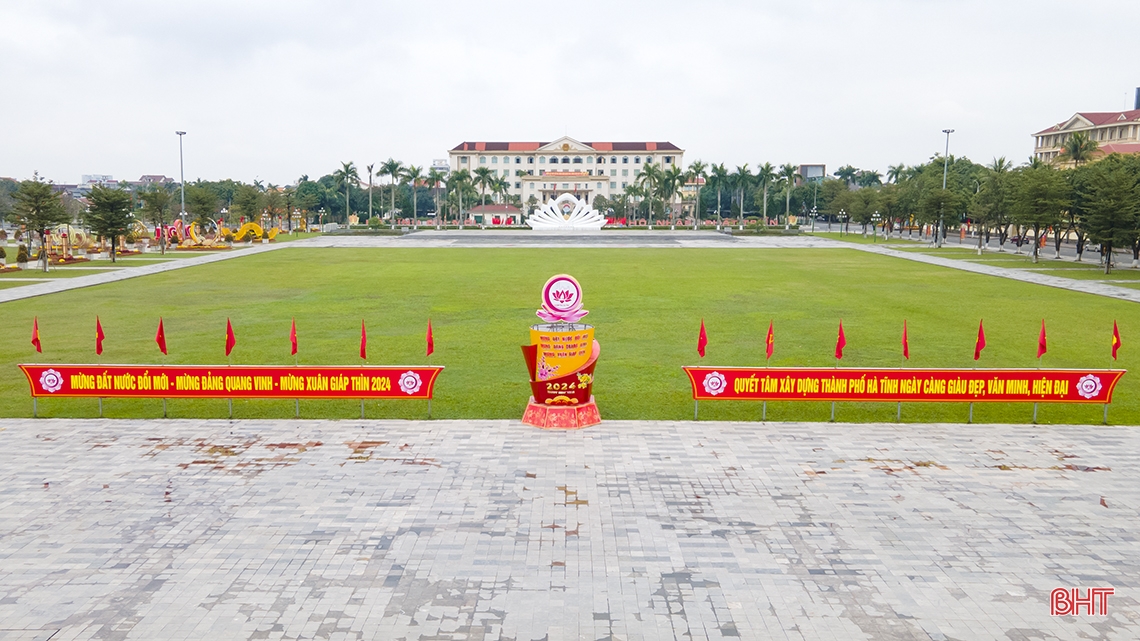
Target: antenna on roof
x,y
1137,98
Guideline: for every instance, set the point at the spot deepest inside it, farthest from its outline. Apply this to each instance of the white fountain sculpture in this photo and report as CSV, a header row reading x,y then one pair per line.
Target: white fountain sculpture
x,y
565,213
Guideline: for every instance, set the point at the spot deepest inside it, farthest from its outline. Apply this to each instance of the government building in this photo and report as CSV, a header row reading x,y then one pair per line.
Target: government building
x,y
1113,131
546,169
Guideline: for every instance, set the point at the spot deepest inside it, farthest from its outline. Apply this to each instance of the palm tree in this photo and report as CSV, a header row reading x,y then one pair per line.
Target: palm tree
x,y
788,175
345,175
766,175
896,172
650,179
1077,149
483,178
742,180
672,180
868,178
456,183
413,175
370,172
720,177
434,178
847,174
392,169
696,174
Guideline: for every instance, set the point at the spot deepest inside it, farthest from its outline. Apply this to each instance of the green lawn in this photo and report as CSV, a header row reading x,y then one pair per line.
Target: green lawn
x,y
856,236
647,305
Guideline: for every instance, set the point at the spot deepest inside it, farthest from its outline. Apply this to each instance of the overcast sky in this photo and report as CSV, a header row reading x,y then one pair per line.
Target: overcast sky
x,y
273,90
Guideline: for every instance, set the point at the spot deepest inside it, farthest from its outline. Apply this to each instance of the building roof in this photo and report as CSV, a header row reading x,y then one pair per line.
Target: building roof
x,y
1119,148
495,208
596,146
1096,119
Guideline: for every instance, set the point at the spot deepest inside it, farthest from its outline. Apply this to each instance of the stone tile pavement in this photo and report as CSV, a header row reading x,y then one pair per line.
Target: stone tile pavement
x,y
627,530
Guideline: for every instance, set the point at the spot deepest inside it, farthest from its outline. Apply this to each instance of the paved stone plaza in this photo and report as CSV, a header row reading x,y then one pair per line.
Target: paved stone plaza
x,y
628,530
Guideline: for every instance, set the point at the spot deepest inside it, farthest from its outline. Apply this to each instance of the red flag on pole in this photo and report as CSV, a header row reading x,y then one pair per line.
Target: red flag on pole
x,y
430,340
840,342
1115,340
363,341
160,337
702,340
231,340
769,343
1041,341
981,344
36,333
905,343
293,337
99,336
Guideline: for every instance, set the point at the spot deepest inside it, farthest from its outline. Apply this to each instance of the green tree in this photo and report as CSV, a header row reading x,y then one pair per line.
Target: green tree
x,y
847,174
672,180
788,175
741,180
273,204
990,206
696,174
483,179
1113,206
391,168
650,180
720,178
202,204
1077,148
895,173
1041,195
765,177
344,177
248,203
458,183
413,176
435,178
156,204
110,214
39,208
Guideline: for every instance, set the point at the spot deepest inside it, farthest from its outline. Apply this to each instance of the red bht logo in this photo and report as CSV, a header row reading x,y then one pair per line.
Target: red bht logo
x,y
1064,602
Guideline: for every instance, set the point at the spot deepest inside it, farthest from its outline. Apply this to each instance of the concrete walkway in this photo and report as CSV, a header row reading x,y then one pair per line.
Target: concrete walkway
x,y
490,530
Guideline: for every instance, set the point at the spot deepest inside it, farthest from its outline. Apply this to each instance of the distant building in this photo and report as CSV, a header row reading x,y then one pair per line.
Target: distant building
x,y
496,214
1113,131
97,179
813,173
154,178
546,169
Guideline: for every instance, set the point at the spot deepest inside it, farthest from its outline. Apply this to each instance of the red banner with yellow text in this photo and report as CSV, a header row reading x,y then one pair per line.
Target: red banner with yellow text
x,y
903,385
232,381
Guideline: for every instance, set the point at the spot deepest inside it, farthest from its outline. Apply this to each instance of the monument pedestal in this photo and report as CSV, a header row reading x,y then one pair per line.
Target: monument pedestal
x,y
561,417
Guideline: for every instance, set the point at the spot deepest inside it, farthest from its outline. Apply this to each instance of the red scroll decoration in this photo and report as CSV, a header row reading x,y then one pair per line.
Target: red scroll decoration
x,y
903,385
236,381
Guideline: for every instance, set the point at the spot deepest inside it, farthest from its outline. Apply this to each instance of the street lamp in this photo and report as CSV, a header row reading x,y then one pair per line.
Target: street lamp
x,y
945,167
874,224
842,220
181,176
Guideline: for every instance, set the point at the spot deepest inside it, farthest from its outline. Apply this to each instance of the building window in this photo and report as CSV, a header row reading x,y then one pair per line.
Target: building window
x,y
625,160
668,160
494,160
577,160
530,172
531,185
553,160
613,172
623,185
518,160
566,160
613,185
541,172
625,172
518,185
565,185
463,160
482,160
590,159
599,185
530,160
613,160
542,160
648,159
637,160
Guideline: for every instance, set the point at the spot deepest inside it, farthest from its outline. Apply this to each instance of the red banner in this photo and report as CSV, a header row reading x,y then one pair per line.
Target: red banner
x,y
235,381
903,385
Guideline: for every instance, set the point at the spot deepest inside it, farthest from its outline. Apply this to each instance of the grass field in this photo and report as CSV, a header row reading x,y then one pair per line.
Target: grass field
x,y
647,305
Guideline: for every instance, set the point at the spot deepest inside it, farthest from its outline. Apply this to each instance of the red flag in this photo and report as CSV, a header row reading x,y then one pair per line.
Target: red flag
x,y
981,344
363,341
770,342
905,343
1041,341
160,337
840,343
430,340
702,340
99,336
231,340
293,337
1115,340
36,334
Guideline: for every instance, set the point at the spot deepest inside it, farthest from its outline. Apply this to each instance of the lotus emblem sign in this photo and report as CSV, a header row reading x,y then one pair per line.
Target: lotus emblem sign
x,y
565,213
562,300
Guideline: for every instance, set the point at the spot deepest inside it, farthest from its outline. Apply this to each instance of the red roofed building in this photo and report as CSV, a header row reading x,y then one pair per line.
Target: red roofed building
x,y
545,170
1113,131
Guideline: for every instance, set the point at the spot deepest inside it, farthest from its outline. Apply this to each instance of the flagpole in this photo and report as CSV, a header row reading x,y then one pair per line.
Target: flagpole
x,y
99,356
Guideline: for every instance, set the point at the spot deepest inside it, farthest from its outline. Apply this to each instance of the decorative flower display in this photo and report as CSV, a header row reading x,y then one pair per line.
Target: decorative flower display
x,y
715,383
410,382
1089,386
51,381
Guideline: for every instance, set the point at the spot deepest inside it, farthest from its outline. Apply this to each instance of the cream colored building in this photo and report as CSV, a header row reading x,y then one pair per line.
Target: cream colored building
x,y
546,169
1113,131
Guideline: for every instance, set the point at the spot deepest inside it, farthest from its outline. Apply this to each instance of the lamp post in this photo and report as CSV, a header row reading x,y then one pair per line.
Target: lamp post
x,y
813,215
181,177
874,224
842,220
945,167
